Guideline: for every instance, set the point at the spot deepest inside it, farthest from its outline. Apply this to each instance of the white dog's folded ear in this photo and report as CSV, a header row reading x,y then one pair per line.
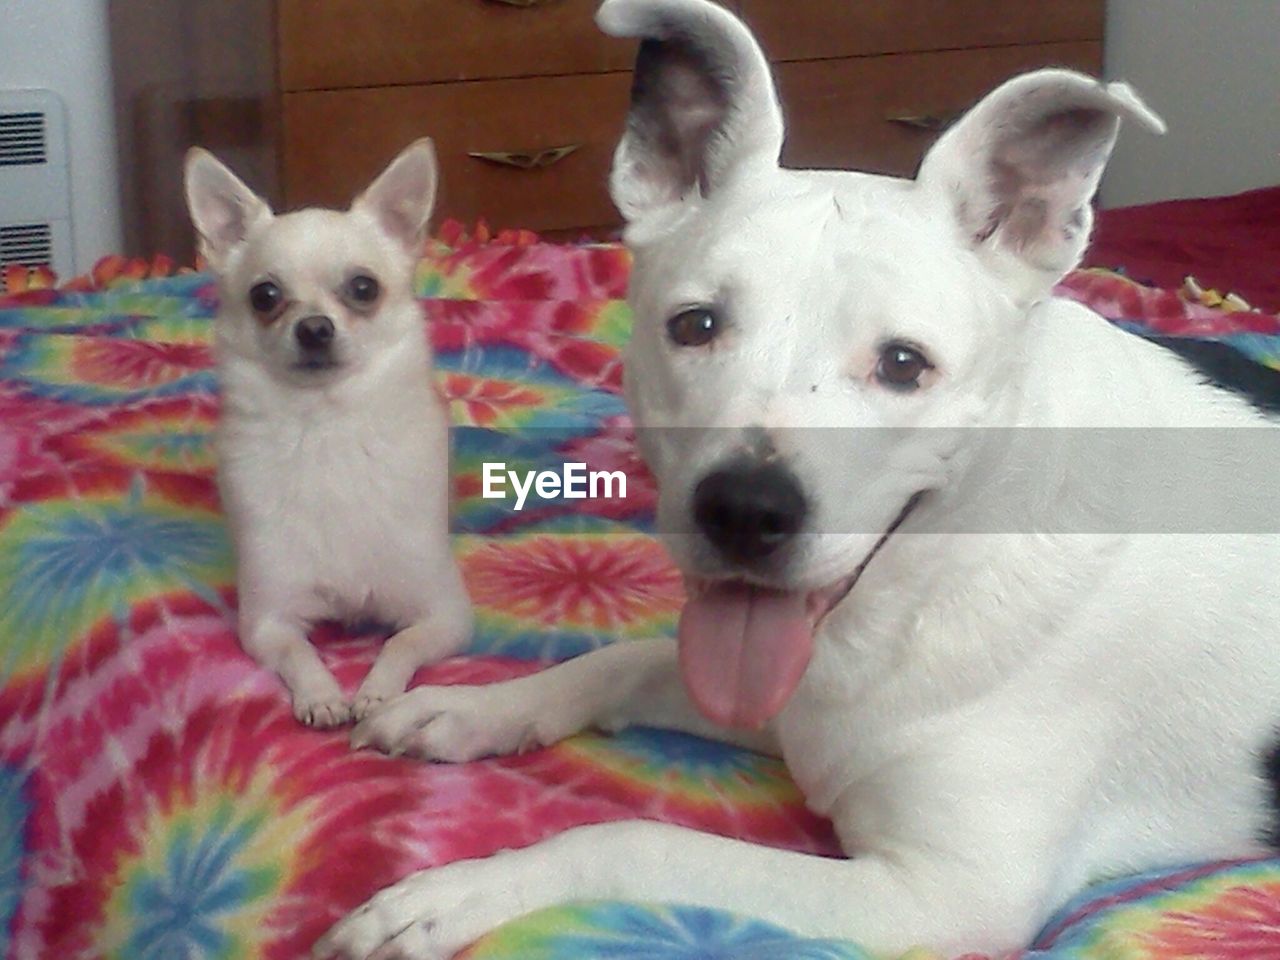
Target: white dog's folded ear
x,y
222,208
703,104
1020,169
402,197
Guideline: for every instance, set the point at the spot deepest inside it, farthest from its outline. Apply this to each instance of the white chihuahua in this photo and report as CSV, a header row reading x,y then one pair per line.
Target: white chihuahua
x,y
333,446
994,684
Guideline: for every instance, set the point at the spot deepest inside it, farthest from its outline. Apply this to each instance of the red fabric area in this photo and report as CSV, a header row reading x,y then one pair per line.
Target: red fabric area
x,y
1227,243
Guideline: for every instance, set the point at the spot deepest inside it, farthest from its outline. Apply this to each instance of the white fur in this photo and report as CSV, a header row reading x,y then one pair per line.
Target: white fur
x,y
335,482
1004,707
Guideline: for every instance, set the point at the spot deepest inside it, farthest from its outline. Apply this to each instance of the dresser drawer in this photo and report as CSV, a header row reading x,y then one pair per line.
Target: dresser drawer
x,y
334,139
845,28
841,112
324,44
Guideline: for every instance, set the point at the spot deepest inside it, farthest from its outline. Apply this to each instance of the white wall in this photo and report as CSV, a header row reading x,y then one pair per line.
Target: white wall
x,y
1211,69
62,45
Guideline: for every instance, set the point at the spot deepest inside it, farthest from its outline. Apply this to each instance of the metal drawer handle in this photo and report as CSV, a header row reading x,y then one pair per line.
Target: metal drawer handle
x,y
521,3
932,122
526,159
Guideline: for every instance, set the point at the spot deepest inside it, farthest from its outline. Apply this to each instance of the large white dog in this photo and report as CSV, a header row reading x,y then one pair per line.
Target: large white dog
x,y
994,684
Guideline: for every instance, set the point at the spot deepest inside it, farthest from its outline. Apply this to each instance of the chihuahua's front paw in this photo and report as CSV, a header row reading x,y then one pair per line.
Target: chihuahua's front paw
x,y
365,704
451,724
382,685
318,702
430,915
322,714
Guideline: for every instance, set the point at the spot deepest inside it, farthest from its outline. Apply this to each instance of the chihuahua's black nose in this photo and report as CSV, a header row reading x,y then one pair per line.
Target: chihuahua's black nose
x,y
314,333
748,509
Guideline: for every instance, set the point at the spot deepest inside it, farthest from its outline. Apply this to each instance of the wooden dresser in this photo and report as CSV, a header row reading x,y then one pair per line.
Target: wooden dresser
x,y
525,98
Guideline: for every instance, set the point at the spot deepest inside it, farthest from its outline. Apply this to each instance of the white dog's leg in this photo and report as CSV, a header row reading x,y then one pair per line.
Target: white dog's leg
x,y
635,682
284,648
886,904
443,632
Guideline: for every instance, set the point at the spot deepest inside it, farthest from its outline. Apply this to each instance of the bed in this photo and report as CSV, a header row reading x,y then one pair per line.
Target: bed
x,y
157,798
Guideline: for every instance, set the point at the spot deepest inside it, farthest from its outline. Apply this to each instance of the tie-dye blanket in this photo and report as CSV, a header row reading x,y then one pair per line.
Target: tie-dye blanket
x,y
157,798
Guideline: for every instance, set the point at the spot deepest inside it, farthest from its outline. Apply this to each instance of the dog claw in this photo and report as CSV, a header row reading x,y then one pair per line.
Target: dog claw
x,y
366,704
324,715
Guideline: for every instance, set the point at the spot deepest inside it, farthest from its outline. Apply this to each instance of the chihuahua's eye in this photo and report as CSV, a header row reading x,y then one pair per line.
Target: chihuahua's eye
x,y
901,366
694,327
362,289
265,298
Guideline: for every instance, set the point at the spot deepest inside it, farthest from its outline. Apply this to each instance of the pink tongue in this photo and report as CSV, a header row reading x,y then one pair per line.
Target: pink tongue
x,y
743,650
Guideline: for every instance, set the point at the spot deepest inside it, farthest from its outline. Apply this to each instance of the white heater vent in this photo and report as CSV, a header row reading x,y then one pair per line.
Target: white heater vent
x,y
35,190
30,243
23,139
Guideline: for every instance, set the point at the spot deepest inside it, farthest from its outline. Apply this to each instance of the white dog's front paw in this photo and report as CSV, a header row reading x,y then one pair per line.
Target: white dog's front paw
x,y
428,916
451,724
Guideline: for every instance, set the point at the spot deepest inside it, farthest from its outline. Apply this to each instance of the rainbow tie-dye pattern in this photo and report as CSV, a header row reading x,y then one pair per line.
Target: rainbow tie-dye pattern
x,y
157,799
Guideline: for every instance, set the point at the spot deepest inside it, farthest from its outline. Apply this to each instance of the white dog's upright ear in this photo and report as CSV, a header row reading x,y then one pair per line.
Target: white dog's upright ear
x,y
222,208
402,197
703,105
1019,170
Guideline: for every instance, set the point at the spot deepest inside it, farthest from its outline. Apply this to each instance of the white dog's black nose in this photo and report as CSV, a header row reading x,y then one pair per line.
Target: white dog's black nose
x,y
314,333
748,510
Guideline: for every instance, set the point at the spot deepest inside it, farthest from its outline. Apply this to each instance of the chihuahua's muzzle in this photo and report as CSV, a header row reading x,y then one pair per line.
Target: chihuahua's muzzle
x,y
315,336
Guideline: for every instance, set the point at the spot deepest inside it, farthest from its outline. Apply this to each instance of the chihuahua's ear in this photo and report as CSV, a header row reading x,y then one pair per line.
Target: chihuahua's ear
x,y
222,208
400,200
703,104
1017,173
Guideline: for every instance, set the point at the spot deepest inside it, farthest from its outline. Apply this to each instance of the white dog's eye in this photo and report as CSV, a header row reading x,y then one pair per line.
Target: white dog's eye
x,y
901,366
362,290
266,298
694,327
